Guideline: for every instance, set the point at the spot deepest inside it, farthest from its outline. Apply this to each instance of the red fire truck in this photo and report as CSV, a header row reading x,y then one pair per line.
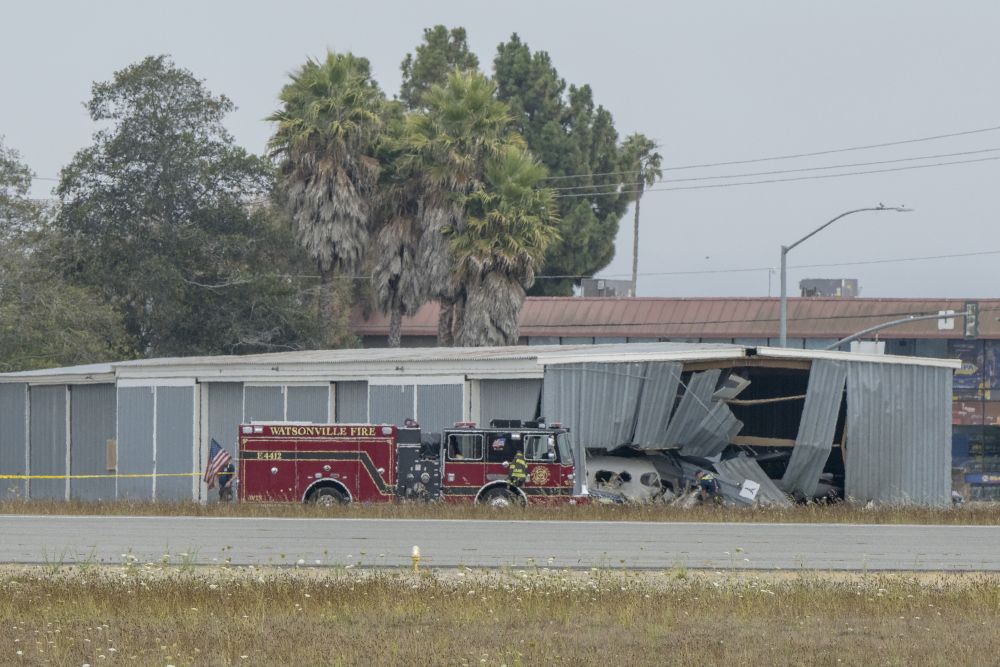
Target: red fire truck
x,y
343,463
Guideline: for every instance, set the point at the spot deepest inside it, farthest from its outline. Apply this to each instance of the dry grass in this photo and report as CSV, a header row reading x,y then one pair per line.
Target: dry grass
x,y
168,616
970,514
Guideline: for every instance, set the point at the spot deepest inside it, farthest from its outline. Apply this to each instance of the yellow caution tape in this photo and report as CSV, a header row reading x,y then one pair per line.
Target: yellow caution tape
x,y
159,474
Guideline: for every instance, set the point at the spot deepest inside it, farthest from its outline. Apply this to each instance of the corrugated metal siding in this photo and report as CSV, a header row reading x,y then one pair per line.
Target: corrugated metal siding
x,y
816,427
439,406
92,424
225,412
391,404
48,440
659,394
13,445
510,399
741,468
352,402
898,434
308,404
713,433
596,400
175,442
694,405
135,442
263,404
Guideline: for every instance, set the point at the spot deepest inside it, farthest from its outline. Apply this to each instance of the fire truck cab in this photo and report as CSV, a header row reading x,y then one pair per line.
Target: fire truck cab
x,y
475,463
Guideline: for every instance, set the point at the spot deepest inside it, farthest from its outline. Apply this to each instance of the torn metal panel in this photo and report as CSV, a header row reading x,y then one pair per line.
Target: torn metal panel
x,y
713,432
694,405
898,434
729,490
596,400
741,468
659,393
816,427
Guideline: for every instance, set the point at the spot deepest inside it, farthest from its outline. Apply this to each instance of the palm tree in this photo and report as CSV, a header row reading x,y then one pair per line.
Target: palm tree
x,y
449,143
329,120
643,163
397,280
509,225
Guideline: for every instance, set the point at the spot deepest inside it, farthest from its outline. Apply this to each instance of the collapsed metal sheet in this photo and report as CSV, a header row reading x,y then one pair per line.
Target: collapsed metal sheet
x,y
596,400
729,490
816,428
713,432
659,393
898,434
694,405
741,468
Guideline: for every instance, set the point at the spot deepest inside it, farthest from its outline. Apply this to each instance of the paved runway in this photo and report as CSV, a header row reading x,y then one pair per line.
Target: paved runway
x,y
366,542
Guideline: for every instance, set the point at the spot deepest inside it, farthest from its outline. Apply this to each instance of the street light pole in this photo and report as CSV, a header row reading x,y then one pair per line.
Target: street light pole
x,y
783,327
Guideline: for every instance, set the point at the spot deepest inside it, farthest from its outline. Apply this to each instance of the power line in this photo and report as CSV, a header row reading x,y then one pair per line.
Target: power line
x,y
785,180
787,171
890,260
791,156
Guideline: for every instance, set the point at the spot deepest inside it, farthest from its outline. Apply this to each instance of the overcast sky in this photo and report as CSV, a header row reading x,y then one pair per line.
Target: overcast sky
x,y
710,81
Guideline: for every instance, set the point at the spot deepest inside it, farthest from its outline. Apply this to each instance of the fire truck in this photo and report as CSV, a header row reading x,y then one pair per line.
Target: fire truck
x,y
331,464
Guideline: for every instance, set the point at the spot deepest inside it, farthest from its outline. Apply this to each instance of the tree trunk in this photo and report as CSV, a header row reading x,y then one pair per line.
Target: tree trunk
x,y
458,317
395,326
635,238
445,336
325,290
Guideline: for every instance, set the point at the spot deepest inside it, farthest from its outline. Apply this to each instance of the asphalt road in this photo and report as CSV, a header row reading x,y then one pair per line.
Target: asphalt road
x,y
366,542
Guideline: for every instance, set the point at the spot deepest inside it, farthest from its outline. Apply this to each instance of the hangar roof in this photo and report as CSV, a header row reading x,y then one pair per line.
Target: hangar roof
x,y
474,362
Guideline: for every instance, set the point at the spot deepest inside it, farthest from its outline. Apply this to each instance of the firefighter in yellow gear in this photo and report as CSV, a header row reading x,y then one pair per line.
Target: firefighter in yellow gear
x,y
518,470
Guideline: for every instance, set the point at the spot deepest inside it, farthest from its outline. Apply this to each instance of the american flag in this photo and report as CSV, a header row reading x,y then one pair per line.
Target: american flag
x,y
218,458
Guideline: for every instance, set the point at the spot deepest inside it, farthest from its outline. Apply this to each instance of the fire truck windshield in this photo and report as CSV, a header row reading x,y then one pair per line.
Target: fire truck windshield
x,y
565,445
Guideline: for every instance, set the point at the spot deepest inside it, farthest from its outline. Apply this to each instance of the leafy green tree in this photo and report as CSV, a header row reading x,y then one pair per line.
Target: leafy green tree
x,y
328,125
449,144
643,165
578,144
43,320
509,224
158,216
18,213
442,52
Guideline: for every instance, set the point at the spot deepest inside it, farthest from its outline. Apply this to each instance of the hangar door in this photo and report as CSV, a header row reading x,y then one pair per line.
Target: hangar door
x,y
297,403
435,405
156,442
510,399
92,426
48,441
13,447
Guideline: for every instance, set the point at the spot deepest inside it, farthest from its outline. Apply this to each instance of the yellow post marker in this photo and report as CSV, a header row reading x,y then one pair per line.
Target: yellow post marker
x,y
415,556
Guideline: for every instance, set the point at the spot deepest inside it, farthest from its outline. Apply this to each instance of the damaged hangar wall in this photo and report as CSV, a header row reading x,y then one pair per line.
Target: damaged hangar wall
x,y
610,404
898,433
597,400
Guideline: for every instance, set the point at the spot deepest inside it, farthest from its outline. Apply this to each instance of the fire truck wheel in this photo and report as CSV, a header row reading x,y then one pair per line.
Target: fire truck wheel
x,y
328,497
499,499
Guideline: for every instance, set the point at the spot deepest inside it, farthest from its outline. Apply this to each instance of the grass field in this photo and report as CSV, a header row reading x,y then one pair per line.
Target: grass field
x,y
970,514
152,615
